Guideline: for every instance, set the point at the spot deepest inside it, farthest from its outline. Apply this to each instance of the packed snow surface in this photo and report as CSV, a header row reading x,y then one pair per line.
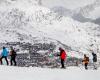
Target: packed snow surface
x,y
34,73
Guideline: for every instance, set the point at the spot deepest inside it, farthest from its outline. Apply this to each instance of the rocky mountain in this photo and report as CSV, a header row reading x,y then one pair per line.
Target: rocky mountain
x,y
26,21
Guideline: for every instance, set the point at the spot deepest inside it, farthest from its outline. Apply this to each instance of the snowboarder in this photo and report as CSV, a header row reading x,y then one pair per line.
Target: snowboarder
x,y
4,55
13,56
85,61
94,60
62,57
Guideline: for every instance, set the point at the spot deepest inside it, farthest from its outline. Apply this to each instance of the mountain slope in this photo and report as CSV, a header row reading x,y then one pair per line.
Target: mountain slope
x,y
27,21
83,11
69,4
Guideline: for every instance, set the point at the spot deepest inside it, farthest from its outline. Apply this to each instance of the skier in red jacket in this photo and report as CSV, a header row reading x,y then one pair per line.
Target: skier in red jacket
x,y
62,57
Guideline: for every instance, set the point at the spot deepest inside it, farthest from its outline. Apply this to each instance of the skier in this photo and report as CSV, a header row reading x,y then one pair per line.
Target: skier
x,y
4,55
85,61
13,56
94,60
62,57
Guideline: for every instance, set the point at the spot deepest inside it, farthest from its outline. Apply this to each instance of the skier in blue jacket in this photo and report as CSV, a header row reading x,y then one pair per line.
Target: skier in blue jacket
x,y
4,55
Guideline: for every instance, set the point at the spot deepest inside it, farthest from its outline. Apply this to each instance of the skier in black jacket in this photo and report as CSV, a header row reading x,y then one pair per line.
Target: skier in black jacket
x,y
13,56
94,60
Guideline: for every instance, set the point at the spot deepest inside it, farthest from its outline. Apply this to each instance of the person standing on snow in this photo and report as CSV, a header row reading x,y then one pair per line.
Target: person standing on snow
x,y
94,60
62,57
85,61
13,57
4,55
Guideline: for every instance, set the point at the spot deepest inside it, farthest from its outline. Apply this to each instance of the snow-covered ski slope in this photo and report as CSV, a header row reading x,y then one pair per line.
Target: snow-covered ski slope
x,y
34,73
26,21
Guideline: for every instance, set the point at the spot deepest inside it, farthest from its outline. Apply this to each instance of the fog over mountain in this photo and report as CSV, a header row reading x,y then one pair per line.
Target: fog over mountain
x,y
80,10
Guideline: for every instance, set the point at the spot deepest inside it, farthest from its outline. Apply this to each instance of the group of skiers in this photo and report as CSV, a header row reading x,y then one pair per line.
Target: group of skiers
x,y
85,61
5,53
12,53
